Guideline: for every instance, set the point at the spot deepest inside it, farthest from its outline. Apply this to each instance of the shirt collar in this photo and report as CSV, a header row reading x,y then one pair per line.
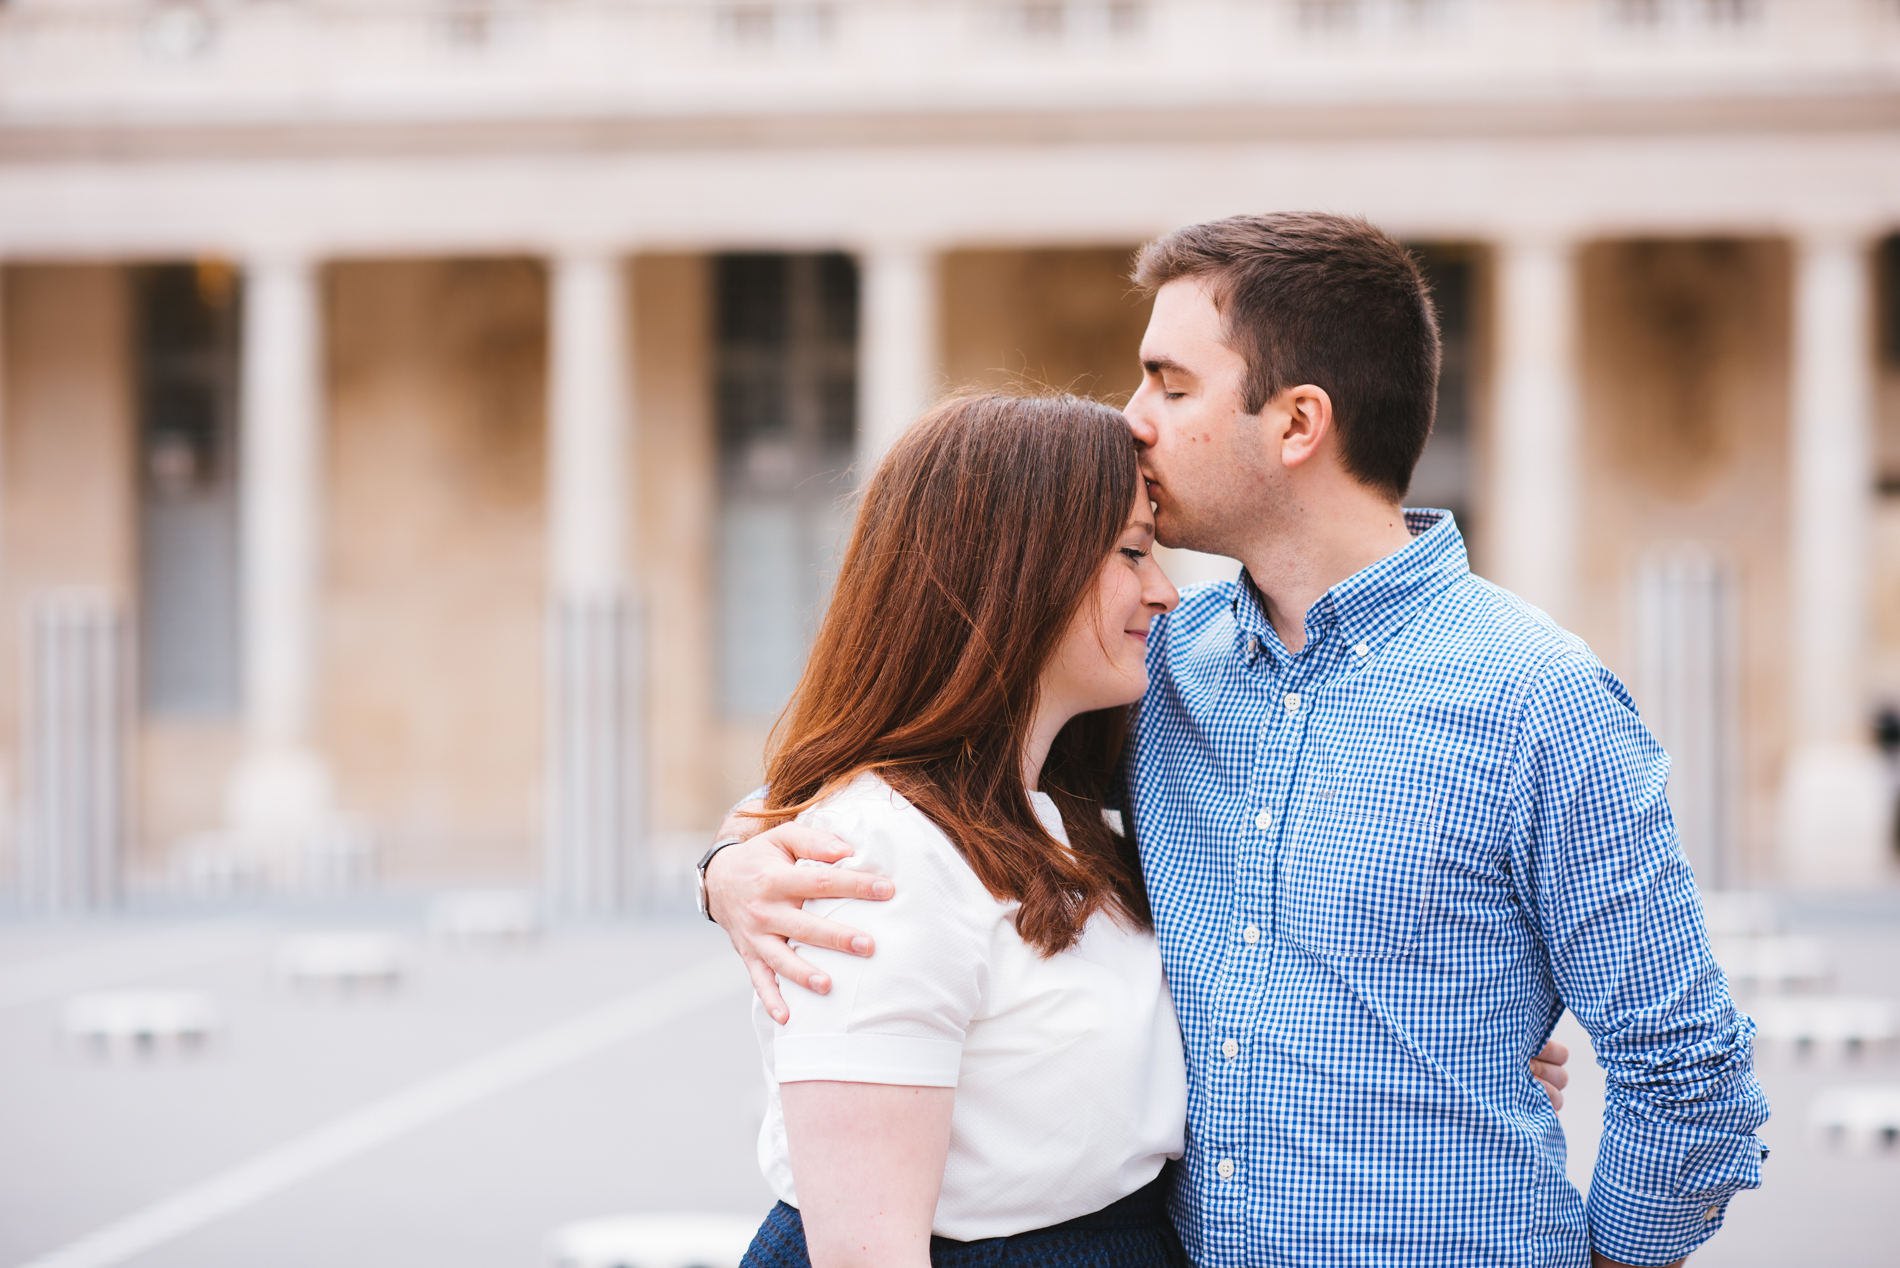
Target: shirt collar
x,y
1375,602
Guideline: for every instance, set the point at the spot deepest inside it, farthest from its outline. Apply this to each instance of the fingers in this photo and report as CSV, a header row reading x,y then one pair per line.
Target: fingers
x,y
761,873
774,881
782,961
1555,1075
798,884
765,986
756,887
1547,1067
829,934
802,842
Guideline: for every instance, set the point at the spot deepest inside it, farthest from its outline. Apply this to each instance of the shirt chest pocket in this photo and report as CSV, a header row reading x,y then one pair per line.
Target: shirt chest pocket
x,y
1356,882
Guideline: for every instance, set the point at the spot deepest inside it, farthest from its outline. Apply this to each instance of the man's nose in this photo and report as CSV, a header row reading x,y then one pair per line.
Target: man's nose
x,y
1144,431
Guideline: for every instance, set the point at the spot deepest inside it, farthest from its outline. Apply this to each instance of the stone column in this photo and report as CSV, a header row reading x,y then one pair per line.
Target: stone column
x,y
1835,799
1533,504
75,746
280,802
595,764
898,357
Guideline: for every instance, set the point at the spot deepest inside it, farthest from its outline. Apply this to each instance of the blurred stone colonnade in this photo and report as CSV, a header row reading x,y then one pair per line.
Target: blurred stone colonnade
x,y
526,415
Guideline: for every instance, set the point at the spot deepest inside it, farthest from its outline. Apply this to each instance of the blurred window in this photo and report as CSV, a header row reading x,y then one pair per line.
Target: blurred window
x,y
1639,12
1083,21
775,25
786,393
1327,15
1686,15
187,372
1444,474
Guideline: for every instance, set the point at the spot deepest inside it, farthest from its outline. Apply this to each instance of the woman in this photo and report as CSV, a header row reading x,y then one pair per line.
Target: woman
x,y
1006,1073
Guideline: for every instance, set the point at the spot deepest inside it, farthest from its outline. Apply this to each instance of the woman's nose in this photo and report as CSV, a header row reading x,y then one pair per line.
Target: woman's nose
x,y
1164,597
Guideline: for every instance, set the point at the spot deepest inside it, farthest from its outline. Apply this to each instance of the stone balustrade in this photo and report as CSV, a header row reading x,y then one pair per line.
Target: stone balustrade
x,y
342,60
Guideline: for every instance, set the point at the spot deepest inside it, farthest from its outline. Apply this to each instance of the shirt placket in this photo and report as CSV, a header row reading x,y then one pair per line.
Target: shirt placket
x,y
1287,684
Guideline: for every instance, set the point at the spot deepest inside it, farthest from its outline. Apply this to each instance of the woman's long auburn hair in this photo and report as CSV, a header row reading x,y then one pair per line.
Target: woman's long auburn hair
x,y
980,537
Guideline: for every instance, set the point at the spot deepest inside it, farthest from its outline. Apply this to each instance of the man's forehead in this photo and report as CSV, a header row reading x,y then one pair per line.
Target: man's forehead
x,y
1184,327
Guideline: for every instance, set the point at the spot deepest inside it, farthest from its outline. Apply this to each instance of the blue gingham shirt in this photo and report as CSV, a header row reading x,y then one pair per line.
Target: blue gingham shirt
x,y
1381,868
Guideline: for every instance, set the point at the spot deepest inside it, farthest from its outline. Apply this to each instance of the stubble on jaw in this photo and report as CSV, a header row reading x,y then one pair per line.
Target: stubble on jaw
x,y
1234,493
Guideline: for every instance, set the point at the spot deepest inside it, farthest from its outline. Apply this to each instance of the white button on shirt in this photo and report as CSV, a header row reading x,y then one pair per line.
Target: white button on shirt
x,y
1263,820
1360,649
1071,1083
1226,1168
1250,935
1292,702
1230,1049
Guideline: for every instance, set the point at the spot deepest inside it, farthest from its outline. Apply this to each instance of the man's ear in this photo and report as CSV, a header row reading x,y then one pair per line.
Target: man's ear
x,y
1309,421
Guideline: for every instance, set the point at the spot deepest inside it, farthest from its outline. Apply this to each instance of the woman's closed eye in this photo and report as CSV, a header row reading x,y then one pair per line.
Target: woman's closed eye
x,y
1134,554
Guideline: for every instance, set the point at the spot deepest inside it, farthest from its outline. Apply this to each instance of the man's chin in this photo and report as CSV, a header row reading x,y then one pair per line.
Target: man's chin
x,y
1170,532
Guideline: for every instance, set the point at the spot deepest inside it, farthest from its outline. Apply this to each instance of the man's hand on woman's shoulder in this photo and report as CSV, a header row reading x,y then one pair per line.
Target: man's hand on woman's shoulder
x,y
756,892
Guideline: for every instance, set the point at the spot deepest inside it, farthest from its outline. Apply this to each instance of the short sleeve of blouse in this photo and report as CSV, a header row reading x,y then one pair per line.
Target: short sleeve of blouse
x,y
899,1016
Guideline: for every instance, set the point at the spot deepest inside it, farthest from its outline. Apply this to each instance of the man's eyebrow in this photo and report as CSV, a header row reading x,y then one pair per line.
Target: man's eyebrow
x,y
1158,365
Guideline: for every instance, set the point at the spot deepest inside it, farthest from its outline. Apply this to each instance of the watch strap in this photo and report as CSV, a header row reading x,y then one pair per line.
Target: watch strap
x,y
699,874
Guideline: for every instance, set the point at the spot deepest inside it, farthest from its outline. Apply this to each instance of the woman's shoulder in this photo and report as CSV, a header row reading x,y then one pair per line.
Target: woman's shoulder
x,y
883,827
866,799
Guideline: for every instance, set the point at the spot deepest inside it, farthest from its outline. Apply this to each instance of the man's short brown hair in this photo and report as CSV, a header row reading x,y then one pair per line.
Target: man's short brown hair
x,y
1328,300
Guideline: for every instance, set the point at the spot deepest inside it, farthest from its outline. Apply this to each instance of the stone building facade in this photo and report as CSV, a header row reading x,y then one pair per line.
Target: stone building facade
x,y
453,404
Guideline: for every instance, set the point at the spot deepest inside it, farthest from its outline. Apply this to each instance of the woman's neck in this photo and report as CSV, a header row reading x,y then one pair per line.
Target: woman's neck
x,y
1051,716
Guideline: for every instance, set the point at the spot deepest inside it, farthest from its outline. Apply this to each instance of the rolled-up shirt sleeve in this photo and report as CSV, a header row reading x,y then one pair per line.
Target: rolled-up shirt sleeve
x,y
1596,861
899,1016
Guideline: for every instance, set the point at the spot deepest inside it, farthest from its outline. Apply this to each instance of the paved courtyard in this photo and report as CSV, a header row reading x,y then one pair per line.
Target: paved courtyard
x,y
500,1091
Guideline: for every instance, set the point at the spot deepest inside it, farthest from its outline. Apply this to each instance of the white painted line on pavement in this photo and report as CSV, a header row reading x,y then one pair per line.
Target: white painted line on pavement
x,y
122,960
415,1106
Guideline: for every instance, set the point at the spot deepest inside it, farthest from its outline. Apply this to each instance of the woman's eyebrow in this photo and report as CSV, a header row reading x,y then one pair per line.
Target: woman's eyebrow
x,y
1144,525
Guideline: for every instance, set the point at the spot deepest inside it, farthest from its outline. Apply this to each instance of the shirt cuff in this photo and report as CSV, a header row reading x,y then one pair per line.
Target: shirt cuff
x,y
1641,1229
867,1059
757,794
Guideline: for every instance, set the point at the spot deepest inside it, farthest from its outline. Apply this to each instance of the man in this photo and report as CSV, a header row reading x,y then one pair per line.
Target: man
x,y
1393,820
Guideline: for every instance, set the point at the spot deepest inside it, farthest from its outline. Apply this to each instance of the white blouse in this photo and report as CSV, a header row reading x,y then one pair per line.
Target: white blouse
x,y
1071,1084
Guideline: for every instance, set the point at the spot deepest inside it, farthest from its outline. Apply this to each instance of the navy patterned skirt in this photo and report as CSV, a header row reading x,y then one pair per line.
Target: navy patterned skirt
x,y
1131,1233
